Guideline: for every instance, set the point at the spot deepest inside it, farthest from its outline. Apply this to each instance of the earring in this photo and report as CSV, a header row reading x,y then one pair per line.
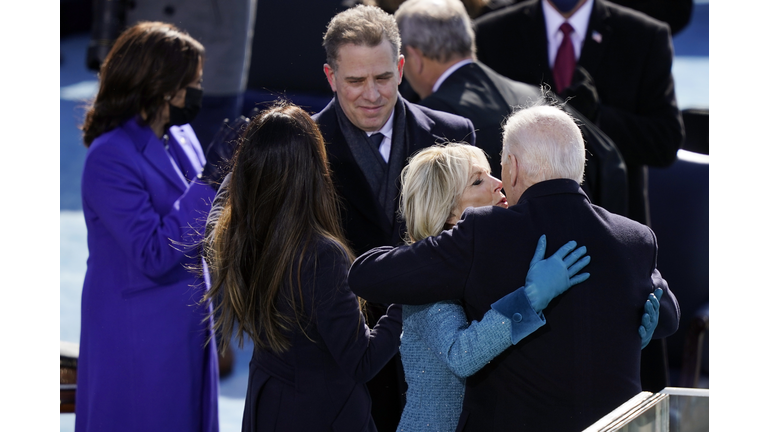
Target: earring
x,y
167,97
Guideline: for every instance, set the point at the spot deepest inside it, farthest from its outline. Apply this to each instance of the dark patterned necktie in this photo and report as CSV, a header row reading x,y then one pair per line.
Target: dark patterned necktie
x,y
376,140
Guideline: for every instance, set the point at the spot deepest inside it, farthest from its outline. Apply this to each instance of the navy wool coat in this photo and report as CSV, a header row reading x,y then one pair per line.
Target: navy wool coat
x,y
318,384
585,361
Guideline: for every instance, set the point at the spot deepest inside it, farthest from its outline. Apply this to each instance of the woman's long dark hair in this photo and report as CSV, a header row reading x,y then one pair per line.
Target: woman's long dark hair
x,y
280,200
149,61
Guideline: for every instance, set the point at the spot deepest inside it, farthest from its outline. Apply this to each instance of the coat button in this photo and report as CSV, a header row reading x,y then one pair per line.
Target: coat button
x,y
517,317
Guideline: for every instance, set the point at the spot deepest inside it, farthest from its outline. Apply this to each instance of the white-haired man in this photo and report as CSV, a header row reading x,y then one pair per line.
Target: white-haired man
x,y
583,363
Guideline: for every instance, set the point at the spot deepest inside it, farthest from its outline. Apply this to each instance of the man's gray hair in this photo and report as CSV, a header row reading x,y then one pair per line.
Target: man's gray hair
x,y
441,29
361,26
546,142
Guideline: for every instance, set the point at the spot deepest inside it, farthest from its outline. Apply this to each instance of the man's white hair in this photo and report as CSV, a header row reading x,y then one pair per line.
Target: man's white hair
x,y
546,142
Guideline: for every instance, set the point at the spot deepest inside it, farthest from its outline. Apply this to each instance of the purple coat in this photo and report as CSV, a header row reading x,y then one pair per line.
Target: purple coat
x,y
144,363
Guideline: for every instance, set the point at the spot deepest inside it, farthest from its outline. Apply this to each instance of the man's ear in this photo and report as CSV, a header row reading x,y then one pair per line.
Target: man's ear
x,y
400,63
330,75
513,169
415,58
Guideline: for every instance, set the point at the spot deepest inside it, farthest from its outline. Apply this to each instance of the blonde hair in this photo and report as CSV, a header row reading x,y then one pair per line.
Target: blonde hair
x,y
433,182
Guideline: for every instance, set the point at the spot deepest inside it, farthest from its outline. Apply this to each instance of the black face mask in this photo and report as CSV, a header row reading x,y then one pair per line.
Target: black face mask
x,y
193,101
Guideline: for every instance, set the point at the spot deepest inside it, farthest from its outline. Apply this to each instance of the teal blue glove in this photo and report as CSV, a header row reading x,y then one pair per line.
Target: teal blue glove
x,y
650,318
548,278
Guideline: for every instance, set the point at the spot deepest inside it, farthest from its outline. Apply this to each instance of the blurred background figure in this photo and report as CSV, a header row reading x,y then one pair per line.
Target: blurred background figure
x,y
613,63
475,8
147,357
676,13
287,52
224,27
439,47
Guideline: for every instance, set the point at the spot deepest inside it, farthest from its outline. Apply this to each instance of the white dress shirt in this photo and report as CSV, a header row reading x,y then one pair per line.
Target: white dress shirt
x,y
448,73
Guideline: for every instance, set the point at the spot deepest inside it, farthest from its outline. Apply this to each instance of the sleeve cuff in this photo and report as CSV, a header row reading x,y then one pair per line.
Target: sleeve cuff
x,y
519,310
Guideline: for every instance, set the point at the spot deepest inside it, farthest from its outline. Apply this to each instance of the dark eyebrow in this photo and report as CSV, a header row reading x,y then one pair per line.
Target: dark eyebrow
x,y
385,75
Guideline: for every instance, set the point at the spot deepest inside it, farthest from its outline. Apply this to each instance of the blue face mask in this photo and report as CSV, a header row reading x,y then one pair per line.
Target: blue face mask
x,y
564,5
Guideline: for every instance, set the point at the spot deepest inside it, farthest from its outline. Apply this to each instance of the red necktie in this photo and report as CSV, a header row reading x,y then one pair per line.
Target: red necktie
x,y
565,61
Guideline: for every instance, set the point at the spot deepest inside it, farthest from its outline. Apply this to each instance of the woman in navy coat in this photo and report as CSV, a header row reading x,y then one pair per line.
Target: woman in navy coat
x,y
279,275
145,361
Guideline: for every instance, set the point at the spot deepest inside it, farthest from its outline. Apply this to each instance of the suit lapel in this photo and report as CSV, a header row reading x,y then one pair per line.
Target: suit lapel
x,y
350,182
417,131
397,155
598,37
510,98
152,149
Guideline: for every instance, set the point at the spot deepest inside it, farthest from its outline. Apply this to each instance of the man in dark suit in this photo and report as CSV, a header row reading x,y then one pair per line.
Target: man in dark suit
x,y
364,67
583,362
439,47
676,13
621,79
616,64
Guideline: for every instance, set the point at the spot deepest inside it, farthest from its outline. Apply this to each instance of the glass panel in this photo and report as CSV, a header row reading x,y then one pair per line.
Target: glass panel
x,y
671,410
646,412
688,409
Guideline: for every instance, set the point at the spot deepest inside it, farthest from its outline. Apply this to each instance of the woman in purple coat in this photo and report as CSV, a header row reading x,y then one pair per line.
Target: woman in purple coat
x,y
279,275
146,363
